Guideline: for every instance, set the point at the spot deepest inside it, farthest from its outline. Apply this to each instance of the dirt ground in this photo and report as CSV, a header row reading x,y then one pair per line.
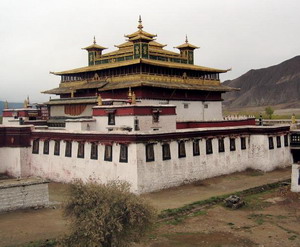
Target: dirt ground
x,y
269,219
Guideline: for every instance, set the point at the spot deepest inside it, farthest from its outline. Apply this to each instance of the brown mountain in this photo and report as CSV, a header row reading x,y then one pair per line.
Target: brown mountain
x,y
275,85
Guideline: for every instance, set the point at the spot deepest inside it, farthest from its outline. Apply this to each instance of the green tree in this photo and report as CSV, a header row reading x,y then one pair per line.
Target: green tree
x,y
269,111
106,215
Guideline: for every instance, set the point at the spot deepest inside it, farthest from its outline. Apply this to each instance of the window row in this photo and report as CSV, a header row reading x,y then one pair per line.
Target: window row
x,y
108,150
278,141
166,152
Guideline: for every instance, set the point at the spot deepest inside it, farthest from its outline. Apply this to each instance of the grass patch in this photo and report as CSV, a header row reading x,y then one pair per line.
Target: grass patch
x,y
246,194
259,218
292,237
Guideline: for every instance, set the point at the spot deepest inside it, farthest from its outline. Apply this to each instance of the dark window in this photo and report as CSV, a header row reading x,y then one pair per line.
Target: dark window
x,y
181,149
94,151
108,153
46,147
271,142
209,148
111,118
150,152
232,144
80,150
123,153
286,140
155,117
221,145
278,141
35,146
166,151
243,143
196,148
56,147
68,151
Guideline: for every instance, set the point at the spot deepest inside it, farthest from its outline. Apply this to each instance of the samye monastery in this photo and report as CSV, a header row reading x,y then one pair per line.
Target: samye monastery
x,y
141,113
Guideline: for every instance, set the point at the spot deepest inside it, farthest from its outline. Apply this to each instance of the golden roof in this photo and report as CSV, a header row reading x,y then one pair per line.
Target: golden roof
x,y
140,37
138,61
187,45
170,85
94,46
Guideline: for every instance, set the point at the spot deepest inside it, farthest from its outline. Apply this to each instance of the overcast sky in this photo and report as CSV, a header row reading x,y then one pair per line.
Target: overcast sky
x,y
38,36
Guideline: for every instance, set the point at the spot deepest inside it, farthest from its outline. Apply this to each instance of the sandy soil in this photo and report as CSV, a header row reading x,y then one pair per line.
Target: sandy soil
x,y
275,222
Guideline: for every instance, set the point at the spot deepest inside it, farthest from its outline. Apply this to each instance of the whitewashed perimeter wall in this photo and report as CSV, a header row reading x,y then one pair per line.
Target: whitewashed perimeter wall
x,y
65,169
14,161
161,174
196,110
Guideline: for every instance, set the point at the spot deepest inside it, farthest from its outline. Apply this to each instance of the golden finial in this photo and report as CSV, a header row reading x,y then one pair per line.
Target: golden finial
x,y
25,105
186,39
28,102
94,40
133,98
99,100
140,26
6,105
129,93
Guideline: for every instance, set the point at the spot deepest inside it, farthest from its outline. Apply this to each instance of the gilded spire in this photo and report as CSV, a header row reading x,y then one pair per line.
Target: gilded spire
x,y
186,39
6,105
140,26
94,40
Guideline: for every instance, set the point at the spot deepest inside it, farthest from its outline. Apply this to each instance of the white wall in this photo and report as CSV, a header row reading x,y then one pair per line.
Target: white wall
x,y
65,169
79,125
59,111
295,187
196,110
166,123
161,174
13,159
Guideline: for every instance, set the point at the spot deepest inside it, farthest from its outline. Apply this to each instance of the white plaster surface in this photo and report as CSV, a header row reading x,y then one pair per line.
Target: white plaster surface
x,y
195,111
295,186
161,174
65,169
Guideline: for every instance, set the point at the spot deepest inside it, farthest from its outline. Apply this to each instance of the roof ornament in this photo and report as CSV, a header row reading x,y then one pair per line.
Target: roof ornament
x,y
6,105
140,26
186,39
94,40
99,100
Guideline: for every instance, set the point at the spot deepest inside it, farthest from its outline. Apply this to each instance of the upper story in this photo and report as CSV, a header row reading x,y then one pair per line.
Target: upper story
x,y
139,62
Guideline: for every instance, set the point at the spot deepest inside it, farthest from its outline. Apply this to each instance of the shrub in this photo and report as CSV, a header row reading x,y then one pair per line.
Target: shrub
x,y
106,215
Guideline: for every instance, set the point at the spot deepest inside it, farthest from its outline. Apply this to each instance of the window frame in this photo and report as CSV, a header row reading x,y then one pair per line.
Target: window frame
x,y
149,149
271,142
94,153
232,144
80,150
243,143
181,149
36,146
123,157
108,149
166,155
209,146
111,118
56,150
68,149
221,145
46,147
278,141
286,140
196,147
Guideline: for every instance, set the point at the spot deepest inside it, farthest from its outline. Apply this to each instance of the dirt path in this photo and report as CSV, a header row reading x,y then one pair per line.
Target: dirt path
x,y
179,196
24,226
